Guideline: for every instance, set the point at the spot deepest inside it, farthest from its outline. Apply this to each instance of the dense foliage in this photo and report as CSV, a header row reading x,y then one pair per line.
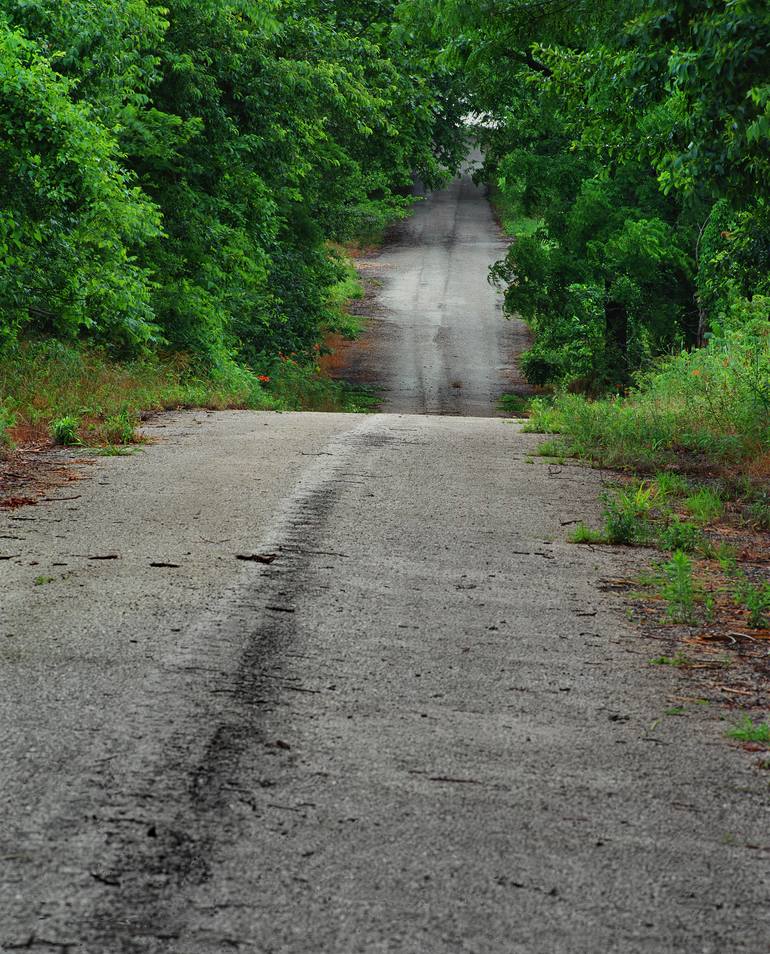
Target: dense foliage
x,y
171,174
636,134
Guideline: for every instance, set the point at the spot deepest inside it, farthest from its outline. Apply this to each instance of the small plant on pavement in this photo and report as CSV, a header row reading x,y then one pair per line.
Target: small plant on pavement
x,y
679,589
584,534
626,515
119,428
678,661
749,731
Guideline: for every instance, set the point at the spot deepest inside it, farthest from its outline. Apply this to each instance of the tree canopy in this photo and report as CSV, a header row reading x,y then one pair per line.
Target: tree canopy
x,y
635,135
171,174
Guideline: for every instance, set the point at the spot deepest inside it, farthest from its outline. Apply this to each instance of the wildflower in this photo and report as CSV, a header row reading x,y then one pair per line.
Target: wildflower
x,y
264,378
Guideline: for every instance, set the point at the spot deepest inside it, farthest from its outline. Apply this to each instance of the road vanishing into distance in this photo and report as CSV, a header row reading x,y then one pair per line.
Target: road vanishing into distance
x,y
437,343
336,684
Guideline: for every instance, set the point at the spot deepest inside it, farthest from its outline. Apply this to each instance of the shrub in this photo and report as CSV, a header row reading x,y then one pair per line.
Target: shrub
x,y
680,535
64,430
711,406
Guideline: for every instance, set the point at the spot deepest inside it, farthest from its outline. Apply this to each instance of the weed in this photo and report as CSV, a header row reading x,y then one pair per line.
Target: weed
x,y
626,515
119,428
679,660
757,515
584,534
705,505
676,711
756,599
679,589
670,485
7,420
347,289
64,430
514,404
42,580
724,554
680,535
708,406
543,418
748,731
554,449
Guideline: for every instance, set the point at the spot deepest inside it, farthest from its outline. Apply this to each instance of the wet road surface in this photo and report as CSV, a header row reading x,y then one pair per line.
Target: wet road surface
x,y
438,343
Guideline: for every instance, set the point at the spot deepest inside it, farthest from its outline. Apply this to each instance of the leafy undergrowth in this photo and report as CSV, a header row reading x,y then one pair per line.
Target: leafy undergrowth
x,y
702,411
509,211
49,390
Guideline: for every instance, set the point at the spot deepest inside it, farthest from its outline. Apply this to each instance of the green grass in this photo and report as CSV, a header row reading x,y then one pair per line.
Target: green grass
x,y
749,731
670,485
81,395
64,430
705,506
583,534
554,450
544,418
348,289
681,535
704,409
513,219
514,404
755,599
77,395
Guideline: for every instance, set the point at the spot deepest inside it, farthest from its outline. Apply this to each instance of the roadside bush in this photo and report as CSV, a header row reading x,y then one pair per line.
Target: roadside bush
x,y
711,405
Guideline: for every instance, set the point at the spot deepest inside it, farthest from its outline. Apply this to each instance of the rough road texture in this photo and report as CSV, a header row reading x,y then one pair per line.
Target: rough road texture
x,y
412,720
422,728
437,343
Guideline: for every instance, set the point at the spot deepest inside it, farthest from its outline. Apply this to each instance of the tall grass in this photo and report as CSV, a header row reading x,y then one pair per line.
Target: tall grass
x,y
45,382
709,407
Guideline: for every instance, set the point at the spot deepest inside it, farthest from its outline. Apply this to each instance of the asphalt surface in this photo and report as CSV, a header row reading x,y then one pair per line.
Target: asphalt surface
x,y
437,342
330,684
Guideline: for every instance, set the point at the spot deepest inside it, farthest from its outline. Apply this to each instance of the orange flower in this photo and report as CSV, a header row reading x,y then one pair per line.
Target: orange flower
x,y
264,377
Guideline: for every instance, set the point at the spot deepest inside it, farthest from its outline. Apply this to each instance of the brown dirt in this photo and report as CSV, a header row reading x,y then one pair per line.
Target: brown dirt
x,y
725,662
34,470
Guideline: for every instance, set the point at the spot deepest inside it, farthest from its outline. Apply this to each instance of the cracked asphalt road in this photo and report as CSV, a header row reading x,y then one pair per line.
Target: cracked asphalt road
x,y
336,684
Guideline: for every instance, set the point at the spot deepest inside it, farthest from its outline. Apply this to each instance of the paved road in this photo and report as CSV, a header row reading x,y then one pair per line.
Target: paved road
x,y
422,728
412,720
438,343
